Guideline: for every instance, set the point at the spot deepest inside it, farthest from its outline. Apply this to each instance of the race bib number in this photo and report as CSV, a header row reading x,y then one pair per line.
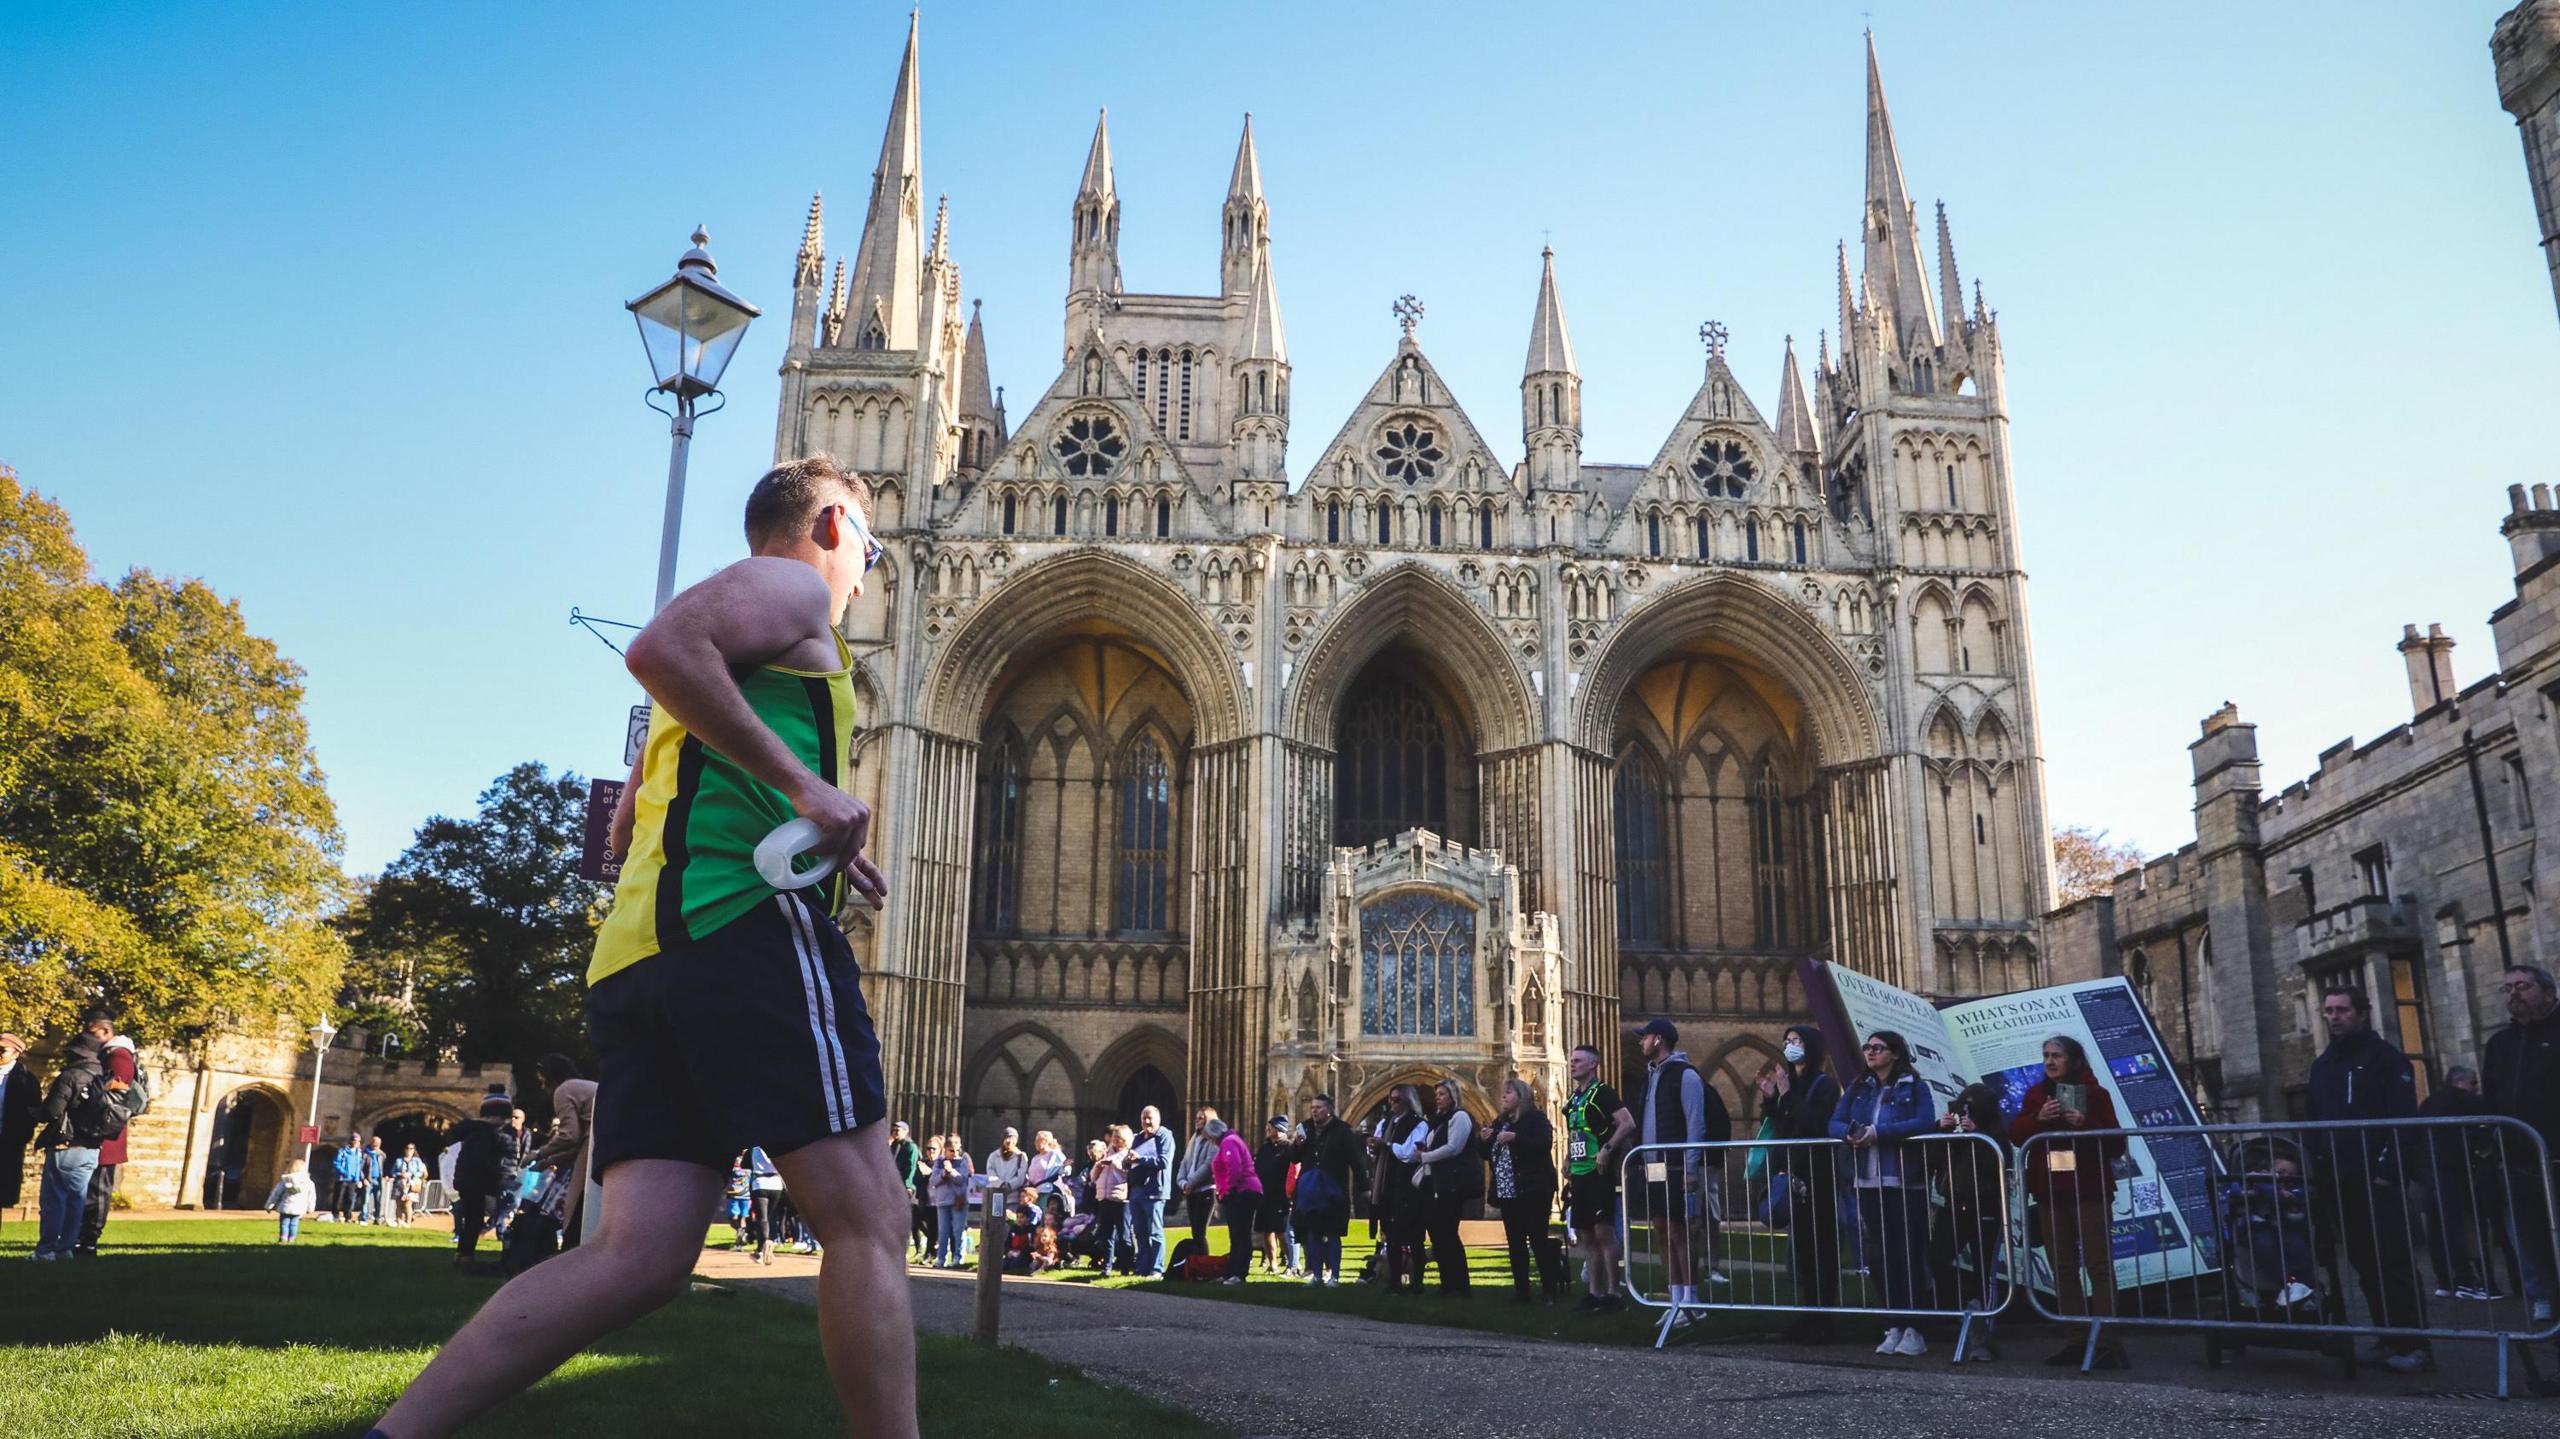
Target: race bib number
x,y
1657,1172
1580,1149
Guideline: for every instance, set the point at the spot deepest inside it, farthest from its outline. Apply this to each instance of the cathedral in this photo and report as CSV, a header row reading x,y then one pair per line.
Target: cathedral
x,y
1213,771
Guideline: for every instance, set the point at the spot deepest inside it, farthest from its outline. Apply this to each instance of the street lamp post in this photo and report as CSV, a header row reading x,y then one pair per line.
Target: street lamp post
x,y
321,1034
691,326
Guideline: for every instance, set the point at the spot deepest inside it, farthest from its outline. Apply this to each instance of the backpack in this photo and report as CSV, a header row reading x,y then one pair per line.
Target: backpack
x,y
98,1114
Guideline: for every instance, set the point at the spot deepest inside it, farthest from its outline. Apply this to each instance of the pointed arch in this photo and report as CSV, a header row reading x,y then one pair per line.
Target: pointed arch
x,y
1412,604
1753,619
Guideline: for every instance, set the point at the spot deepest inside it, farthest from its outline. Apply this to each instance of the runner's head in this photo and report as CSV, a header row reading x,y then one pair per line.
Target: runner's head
x,y
1584,1062
812,511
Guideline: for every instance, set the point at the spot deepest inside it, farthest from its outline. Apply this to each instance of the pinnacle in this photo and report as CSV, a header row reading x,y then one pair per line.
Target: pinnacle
x,y
1246,181
1097,160
1550,343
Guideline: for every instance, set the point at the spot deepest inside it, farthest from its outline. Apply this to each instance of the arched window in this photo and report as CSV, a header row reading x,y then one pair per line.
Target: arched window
x,y
1146,828
1392,769
1111,514
1000,795
1186,395
1542,405
1417,965
1386,523
1333,522
1699,523
1164,516
1952,502
1558,388
1142,377
1644,893
1799,534
1058,514
1653,533
1768,817
1435,523
1751,539
1484,527
1008,511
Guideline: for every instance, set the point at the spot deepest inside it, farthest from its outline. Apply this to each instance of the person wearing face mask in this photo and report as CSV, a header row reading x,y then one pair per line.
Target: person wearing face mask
x,y
1796,1098
2071,1188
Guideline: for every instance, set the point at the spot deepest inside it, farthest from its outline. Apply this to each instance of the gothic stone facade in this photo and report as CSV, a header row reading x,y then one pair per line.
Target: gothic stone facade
x,y
1206,773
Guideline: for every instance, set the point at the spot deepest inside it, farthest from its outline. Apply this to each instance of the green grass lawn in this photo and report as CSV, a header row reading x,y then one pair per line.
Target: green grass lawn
x,y
210,1330
1488,1304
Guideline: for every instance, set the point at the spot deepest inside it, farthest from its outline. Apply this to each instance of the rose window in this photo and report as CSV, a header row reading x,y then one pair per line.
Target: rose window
x,y
1090,445
1724,467
1409,452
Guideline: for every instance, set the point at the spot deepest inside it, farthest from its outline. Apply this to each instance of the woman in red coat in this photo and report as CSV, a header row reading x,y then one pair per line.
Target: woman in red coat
x,y
2072,1182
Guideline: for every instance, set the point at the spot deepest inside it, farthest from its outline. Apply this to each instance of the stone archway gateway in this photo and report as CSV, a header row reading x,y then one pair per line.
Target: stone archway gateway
x,y
253,1130
1079,633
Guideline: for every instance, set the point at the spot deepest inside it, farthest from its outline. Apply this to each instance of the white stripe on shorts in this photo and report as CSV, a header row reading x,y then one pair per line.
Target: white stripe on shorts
x,y
839,1074
821,1018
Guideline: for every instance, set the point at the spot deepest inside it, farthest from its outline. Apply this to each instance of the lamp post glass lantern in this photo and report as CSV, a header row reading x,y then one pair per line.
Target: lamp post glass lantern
x,y
690,326
321,1034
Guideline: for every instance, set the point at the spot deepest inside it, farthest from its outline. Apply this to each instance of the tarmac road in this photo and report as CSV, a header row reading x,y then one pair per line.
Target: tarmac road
x,y
1270,1371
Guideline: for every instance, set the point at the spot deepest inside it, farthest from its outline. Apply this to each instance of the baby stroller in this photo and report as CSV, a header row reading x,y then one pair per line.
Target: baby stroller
x,y
1079,1237
2273,1257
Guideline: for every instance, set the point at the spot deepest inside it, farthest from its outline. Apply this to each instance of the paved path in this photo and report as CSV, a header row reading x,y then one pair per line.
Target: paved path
x,y
1304,1374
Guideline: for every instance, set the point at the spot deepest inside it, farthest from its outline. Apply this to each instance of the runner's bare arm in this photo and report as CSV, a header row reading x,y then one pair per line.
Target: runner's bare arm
x,y
625,806
752,613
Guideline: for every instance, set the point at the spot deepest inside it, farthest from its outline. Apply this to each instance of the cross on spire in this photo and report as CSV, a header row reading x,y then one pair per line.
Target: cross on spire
x,y
1408,313
1712,334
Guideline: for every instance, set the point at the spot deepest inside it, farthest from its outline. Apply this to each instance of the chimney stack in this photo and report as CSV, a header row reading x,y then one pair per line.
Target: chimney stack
x,y
2532,526
2430,660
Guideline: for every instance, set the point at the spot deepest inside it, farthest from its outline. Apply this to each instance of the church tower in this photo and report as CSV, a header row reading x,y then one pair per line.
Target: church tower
x,y
1551,392
1093,264
1914,429
1259,433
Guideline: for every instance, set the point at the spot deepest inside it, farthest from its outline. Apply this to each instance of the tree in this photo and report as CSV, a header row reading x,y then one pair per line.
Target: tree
x,y
485,926
2086,862
167,845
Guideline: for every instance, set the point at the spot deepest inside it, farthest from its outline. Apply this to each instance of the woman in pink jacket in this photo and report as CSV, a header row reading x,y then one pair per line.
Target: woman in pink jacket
x,y
1239,1194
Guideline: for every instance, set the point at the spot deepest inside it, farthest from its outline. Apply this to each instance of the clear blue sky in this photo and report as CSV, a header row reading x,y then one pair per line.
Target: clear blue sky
x,y
323,304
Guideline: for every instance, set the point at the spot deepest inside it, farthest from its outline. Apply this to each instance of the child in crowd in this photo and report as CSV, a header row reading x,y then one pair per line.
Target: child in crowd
x,y
291,1199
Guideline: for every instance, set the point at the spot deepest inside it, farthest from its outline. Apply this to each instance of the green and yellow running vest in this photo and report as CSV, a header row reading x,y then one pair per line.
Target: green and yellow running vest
x,y
698,817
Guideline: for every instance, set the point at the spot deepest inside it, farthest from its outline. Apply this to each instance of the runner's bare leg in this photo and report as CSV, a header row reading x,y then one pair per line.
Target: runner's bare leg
x,y
854,1205
654,1217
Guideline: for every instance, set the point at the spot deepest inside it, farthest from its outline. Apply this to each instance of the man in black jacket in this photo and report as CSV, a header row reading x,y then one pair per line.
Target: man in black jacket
x,y
82,1110
20,1097
2362,1172
2521,1079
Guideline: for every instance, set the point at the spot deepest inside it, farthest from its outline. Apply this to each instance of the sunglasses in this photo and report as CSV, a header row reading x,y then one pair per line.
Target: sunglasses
x,y
1877,1048
872,553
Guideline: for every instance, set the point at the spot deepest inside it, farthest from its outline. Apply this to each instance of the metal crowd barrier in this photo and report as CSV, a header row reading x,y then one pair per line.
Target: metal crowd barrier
x,y
2250,1233
1936,1243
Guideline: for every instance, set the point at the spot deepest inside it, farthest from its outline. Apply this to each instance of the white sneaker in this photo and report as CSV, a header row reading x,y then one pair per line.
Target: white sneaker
x,y
1230,1279
1718,1276
1892,1342
2293,1293
1912,1345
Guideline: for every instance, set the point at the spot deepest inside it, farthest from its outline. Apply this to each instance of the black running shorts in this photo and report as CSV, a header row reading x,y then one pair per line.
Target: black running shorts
x,y
755,1034
1591,1200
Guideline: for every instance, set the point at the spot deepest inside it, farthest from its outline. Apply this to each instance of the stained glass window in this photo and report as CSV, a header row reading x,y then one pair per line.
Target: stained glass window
x,y
1723,467
1392,765
1417,966
1000,785
1146,846
1644,892
1090,445
1409,451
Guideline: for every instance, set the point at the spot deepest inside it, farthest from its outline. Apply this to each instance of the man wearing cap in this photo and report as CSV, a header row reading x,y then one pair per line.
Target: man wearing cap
x,y
1678,1107
20,1098
726,1012
1008,1163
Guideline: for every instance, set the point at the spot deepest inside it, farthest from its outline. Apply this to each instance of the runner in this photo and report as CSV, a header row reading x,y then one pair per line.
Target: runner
x,y
724,1013
1597,1126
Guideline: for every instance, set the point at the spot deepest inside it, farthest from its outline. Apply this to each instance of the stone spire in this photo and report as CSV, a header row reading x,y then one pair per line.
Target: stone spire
x,y
1895,275
1848,307
941,247
1550,347
1551,391
808,273
831,322
888,270
1795,428
1263,337
1093,269
1246,220
1950,287
981,419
